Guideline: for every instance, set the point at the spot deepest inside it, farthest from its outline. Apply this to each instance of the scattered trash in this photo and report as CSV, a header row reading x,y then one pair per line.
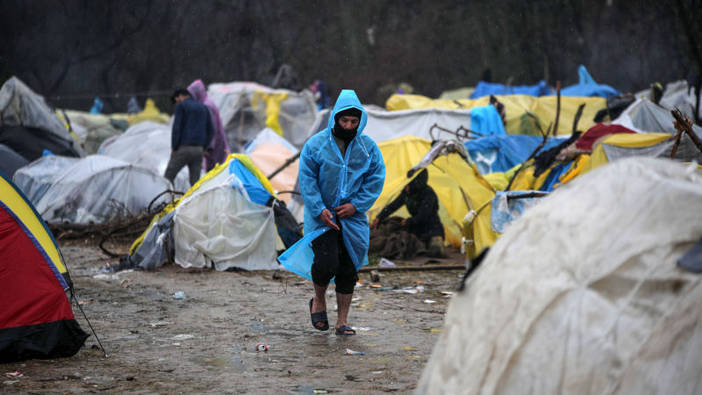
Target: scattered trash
x,y
386,263
412,290
84,302
420,288
352,352
419,282
447,294
350,377
10,382
381,288
276,275
124,283
180,295
409,348
14,374
435,330
378,372
359,283
429,301
375,276
262,347
183,337
320,392
356,299
158,323
360,329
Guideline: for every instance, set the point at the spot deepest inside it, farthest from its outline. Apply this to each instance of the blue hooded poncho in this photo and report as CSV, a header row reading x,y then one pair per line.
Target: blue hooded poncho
x,y
327,179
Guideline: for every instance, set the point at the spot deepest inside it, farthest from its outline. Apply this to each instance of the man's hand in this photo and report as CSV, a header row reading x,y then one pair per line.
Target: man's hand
x,y
327,218
345,210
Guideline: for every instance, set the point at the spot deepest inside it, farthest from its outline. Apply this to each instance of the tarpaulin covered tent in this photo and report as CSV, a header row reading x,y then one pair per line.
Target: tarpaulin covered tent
x,y
458,185
92,129
36,178
36,320
387,125
501,153
677,94
269,151
247,108
490,88
147,145
517,107
582,294
227,219
587,86
644,116
97,189
28,126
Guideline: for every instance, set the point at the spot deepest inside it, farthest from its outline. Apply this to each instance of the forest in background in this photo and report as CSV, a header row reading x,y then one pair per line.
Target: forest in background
x,y
73,50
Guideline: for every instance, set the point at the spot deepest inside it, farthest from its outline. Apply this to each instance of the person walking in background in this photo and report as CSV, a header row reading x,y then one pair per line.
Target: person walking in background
x,y
341,175
218,150
191,134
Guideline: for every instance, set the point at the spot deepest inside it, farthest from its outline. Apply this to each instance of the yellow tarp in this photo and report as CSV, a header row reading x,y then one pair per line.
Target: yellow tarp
x,y
19,207
458,185
271,102
516,107
150,113
244,159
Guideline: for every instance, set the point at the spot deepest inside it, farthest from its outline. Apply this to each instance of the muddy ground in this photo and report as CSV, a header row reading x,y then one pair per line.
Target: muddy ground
x,y
206,343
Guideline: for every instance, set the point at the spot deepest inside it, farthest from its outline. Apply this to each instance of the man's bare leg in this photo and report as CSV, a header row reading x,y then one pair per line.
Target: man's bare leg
x,y
320,301
344,304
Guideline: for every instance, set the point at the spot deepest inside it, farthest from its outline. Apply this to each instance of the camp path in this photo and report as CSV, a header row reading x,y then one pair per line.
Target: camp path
x,y
206,342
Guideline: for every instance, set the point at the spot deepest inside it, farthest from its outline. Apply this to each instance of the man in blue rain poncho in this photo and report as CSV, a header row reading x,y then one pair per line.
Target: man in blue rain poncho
x,y
341,175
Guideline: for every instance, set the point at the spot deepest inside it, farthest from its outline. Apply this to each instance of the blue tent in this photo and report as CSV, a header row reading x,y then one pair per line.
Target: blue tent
x,y
500,153
486,121
489,88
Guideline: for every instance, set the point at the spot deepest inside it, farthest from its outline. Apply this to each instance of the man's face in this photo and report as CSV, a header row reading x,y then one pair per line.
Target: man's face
x,y
349,122
180,98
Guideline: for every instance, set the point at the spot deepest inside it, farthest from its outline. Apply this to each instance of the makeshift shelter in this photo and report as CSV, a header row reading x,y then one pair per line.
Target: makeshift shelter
x,y
227,219
36,320
677,94
11,161
97,189
500,153
147,145
387,125
490,88
149,113
37,177
28,126
583,295
269,152
523,114
644,116
455,94
247,108
460,188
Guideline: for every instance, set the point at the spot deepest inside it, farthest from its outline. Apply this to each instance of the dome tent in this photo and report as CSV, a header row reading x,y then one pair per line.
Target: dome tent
x,y
582,294
37,177
36,320
97,188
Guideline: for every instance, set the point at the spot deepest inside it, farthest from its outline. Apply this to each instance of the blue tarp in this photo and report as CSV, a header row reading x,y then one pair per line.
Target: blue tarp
x,y
587,87
489,88
486,121
500,153
257,193
552,178
297,260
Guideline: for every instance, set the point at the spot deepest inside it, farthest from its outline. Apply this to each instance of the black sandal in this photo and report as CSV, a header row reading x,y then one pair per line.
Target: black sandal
x,y
342,331
318,317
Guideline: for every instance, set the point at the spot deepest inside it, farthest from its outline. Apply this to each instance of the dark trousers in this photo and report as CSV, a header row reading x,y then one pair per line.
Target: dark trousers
x,y
185,155
332,260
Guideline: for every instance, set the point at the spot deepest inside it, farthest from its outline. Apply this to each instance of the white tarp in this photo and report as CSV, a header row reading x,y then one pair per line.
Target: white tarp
x,y
582,294
677,94
244,111
218,223
97,188
148,145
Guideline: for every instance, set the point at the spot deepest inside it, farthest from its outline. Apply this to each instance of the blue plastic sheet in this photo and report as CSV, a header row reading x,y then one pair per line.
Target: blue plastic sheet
x,y
587,87
490,88
495,154
552,178
505,210
257,193
297,259
486,121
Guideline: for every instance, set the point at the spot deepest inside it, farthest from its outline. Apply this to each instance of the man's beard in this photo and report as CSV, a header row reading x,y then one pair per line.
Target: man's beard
x,y
345,134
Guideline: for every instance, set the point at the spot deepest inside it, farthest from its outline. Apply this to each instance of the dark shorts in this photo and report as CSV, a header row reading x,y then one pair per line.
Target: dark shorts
x,y
332,260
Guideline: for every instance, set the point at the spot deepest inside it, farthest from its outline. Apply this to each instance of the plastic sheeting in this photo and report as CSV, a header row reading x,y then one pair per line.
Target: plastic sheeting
x,y
97,188
148,145
587,87
92,129
486,121
516,108
36,178
677,94
490,88
644,116
582,295
386,125
510,205
247,108
501,153
219,224
10,161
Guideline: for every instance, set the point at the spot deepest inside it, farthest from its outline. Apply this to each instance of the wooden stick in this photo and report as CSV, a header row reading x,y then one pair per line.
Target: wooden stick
x,y
558,107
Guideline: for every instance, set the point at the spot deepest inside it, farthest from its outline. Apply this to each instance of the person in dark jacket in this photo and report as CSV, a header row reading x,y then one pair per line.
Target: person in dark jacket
x,y
190,137
423,206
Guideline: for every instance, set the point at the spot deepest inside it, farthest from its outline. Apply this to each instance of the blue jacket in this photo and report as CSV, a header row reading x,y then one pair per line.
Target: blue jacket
x,y
327,179
192,125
